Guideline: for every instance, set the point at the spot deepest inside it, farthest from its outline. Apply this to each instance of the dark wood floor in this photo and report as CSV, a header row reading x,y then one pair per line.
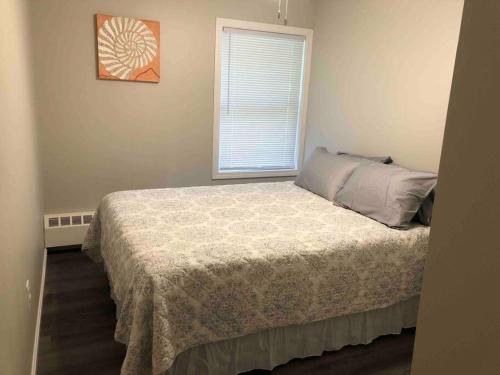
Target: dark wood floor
x,y
78,321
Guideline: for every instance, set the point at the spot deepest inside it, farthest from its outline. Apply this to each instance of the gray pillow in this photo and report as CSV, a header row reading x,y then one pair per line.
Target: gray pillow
x,y
378,159
389,194
325,173
424,213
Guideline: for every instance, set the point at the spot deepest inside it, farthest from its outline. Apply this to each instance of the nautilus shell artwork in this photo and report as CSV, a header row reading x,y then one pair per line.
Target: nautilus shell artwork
x,y
128,49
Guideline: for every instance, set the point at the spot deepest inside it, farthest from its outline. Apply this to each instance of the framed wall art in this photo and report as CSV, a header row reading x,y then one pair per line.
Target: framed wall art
x,y
128,49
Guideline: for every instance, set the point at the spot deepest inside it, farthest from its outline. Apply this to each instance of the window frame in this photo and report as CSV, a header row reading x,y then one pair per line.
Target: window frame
x,y
222,23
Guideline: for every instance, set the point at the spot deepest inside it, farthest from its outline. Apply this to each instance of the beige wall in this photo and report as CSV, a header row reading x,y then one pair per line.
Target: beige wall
x,y
381,77
381,71
458,330
102,136
21,246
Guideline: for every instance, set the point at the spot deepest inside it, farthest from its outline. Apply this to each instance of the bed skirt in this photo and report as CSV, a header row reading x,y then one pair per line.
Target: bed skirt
x,y
268,349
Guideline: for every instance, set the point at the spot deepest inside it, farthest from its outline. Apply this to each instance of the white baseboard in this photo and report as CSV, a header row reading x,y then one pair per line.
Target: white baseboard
x,y
39,315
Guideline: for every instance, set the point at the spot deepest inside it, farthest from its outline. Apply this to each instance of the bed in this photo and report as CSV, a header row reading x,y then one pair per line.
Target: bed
x,y
224,279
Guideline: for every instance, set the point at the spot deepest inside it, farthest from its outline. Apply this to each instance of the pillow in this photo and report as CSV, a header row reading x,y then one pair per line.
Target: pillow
x,y
424,213
389,194
378,159
325,173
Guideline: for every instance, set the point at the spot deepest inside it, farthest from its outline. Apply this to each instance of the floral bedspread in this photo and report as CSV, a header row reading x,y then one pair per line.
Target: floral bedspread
x,y
194,265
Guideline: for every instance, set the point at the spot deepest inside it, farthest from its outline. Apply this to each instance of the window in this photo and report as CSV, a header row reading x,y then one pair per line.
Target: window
x,y
260,99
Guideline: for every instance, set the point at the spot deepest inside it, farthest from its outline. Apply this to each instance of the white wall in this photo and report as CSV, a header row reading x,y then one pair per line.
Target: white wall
x,y
21,245
381,77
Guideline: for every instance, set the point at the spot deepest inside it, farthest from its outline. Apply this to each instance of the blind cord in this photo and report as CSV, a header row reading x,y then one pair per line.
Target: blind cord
x,y
229,75
285,22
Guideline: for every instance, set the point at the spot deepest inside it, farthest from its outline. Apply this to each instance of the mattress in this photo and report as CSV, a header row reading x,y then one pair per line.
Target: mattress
x,y
197,265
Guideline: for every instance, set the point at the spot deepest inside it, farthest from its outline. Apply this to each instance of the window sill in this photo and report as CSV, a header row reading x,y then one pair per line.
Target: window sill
x,y
242,174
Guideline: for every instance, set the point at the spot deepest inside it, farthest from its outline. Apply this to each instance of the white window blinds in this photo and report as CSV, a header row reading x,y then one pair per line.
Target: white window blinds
x,y
261,85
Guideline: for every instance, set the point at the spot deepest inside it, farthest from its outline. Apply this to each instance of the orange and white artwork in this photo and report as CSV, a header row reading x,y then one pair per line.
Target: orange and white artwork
x,y
128,49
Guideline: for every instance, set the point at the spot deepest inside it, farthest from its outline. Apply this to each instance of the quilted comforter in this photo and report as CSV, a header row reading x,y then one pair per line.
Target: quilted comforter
x,y
188,266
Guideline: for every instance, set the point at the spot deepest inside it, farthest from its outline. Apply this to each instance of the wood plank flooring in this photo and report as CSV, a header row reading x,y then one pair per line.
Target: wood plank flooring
x,y
78,321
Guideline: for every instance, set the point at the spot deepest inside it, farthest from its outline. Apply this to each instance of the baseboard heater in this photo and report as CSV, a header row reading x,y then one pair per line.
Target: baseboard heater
x,y
66,229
